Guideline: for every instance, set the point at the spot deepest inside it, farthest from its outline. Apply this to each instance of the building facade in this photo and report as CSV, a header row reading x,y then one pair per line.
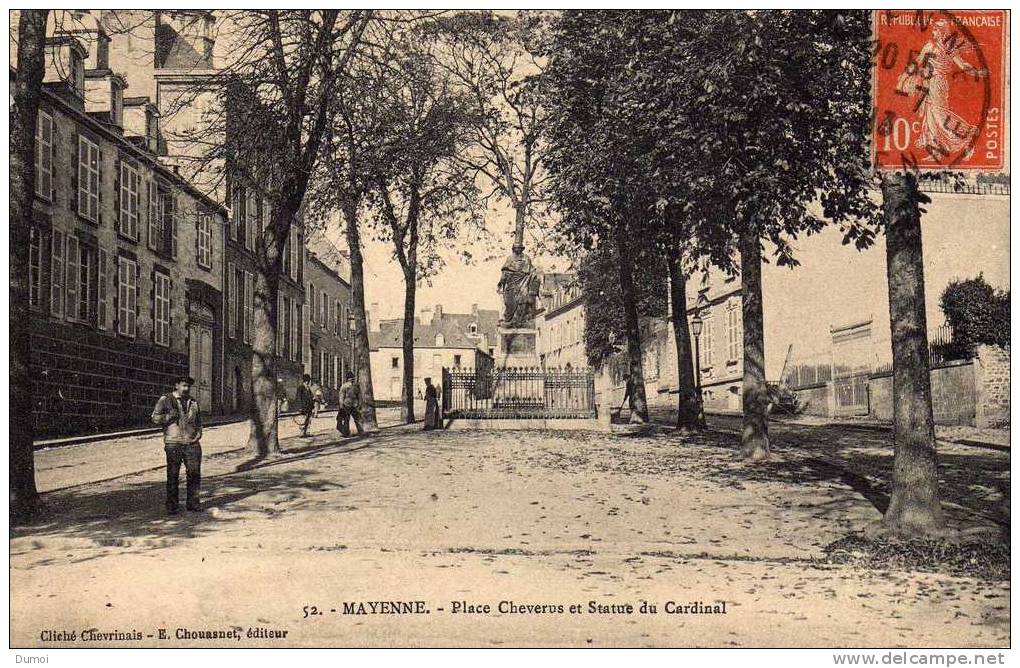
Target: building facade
x,y
173,54
451,340
125,286
560,323
328,354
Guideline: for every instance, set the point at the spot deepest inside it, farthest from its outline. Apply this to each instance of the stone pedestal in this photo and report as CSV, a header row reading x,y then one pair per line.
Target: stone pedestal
x,y
518,347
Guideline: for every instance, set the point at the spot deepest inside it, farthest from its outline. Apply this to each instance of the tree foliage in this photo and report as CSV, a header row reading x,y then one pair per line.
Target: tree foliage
x,y
604,326
977,312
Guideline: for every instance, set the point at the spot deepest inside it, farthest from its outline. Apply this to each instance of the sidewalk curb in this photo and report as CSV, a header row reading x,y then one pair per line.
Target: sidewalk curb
x,y
145,431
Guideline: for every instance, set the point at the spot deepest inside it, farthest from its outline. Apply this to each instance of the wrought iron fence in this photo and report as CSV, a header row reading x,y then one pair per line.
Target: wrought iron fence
x,y
943,186
944,347
518,392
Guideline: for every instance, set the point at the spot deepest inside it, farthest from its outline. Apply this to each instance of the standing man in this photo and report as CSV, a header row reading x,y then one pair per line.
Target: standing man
x,y
179,415
350,406
305,402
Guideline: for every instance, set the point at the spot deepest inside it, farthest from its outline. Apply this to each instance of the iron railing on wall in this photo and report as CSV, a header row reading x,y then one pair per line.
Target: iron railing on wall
x,y
518,392
944,347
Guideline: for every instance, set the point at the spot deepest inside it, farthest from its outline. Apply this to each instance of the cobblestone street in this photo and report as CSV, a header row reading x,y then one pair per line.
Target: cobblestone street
x,y
555,518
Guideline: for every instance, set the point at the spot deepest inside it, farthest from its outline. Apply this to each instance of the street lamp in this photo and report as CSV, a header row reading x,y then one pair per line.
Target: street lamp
x,y
697,323
351,329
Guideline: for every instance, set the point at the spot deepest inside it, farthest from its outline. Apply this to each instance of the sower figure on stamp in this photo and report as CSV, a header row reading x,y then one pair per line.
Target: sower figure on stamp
x,y
179,415
350,406
305,403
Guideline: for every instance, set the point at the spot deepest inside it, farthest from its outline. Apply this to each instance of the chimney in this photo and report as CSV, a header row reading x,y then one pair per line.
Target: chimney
x,y
372,316
474,310
426,315
437,315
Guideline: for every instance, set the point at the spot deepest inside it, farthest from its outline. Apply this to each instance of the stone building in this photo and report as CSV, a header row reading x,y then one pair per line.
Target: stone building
x,y
328,297
125,256
560,322
451,340
174,55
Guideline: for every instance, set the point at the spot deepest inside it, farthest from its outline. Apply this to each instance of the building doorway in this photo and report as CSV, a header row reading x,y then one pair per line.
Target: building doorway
x,y
200,363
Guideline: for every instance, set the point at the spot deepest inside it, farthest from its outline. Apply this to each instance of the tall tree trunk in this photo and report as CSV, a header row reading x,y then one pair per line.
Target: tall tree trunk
x,y
362,357
263,421
27,87
914,508
688,416
407,387
632,326
754,438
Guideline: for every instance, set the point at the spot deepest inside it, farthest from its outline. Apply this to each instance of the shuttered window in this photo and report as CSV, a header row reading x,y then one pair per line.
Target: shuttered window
x,y
251,228
127,296
57,274
35,268
161,309
130,200
155,240
102,298
204,240
249,305
44,156
88,179
231,305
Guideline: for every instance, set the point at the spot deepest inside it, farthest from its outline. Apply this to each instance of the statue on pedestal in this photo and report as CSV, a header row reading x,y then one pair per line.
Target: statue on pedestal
x,y
519,284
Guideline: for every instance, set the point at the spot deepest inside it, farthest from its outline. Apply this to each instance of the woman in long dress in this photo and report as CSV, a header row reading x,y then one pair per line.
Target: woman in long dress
x,y
431,406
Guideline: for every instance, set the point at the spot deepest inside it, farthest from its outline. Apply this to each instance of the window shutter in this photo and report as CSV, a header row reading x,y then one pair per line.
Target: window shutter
x,y
101,287
57,274
118,205
72,202
53,160
115,270
71,278
280,333
99,165
133,268
173,226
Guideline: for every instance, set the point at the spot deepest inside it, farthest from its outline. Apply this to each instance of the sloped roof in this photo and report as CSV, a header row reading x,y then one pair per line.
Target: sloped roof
x,y
455,328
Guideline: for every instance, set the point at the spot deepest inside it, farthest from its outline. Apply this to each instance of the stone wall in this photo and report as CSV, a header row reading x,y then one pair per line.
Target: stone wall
x,y
814,400
991,379
84,381
952,396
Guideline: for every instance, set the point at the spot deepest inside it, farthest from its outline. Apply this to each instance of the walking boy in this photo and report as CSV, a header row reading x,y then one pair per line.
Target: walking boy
x,y
179,415
305,402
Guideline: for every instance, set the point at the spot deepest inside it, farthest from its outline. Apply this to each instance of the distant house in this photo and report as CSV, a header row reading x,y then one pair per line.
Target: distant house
x,y
451,340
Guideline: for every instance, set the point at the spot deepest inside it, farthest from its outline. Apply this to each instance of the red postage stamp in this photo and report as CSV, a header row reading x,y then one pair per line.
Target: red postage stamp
x,y
939,89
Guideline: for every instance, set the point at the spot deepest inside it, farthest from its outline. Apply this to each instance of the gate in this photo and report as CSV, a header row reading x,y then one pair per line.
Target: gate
x,y
851,396
514,392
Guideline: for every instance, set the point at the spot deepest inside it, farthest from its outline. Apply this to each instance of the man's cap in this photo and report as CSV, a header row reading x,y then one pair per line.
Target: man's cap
x,y
184,379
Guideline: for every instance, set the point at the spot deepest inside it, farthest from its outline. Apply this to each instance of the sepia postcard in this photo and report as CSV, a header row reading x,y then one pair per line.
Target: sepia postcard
x,y
511,328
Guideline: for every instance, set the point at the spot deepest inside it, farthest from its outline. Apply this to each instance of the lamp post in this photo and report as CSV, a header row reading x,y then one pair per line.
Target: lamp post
x,y
697,323
351,329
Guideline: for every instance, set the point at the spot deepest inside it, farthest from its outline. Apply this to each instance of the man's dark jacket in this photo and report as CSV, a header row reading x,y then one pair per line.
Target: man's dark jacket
x,y
304,400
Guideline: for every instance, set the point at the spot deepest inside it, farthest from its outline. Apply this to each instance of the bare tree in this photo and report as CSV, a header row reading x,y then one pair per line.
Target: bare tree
x,y
25,94
494,59
272,108
423,187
